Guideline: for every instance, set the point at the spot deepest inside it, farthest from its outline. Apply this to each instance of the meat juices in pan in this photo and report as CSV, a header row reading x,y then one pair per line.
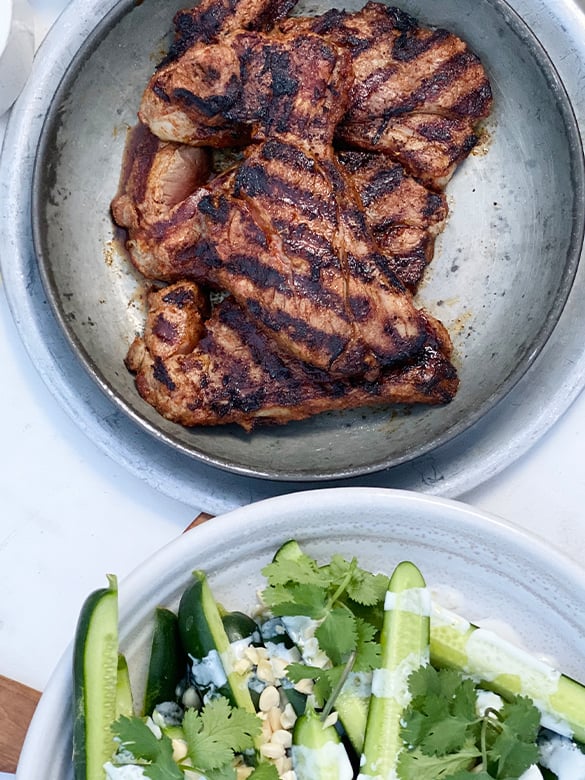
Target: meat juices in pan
x,y
320,231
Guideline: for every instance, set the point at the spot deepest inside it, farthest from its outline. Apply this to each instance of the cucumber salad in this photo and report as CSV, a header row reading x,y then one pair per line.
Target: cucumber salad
x,y
338,674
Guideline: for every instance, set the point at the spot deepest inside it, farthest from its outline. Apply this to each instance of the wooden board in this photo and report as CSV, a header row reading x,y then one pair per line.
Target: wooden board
x,y
17,705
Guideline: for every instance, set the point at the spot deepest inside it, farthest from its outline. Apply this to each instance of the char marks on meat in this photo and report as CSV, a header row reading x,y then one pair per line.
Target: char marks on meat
x,y
211,19
403,215
235,373
417,93
349,125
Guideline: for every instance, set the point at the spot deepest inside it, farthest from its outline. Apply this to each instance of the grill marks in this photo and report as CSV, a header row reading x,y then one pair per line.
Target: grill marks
x,y
417,93
351,126
428,146
212,18
235,373
250,85
315,267
402,214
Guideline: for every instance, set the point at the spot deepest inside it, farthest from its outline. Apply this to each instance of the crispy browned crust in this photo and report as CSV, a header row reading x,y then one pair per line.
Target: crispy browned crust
x,y
349,126
418,93
286,236
169,105
403,215
236,374
210,19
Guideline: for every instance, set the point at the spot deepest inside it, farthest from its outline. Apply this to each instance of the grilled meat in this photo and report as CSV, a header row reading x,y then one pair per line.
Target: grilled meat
x,y
210,19
401,67
203,27
349,126
403,215
417,93
235,373
285,234
156,177
250,86
157,205
429,146
175,321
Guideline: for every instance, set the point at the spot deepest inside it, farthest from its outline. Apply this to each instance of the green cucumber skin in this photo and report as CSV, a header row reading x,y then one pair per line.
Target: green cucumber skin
x,y
238,626
201,631
87,763
330,760
124,698
197,636
382,742
167,663
566,705
289,551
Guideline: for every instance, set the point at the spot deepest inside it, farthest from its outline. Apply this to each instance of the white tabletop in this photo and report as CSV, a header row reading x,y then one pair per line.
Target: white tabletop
x,y
69,514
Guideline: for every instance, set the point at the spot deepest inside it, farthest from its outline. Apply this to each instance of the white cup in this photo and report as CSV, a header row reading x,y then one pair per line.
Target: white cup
x,y
17,48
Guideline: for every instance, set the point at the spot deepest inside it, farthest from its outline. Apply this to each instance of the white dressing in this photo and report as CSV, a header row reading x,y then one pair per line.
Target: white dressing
x,y
305,761
209,672
562,757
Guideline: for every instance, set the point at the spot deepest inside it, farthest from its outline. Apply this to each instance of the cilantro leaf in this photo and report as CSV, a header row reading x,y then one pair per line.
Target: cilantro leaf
x,y
217,732
360,585
441,715
512,738
273,595
296,672
300,599
368,653
445,737
137,738
521,718
303,569
225,772
416,764
337,635
264,772
165,767
448,736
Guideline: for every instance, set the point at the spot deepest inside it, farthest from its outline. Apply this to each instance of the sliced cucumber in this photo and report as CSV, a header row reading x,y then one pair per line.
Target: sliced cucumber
x,y
289,551
405,647
240,626
352,707
167,663
508,670
95,682
124,699
317,752
204,638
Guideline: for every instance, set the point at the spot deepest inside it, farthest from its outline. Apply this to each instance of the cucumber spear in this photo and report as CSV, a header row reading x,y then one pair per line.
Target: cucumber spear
x,y
317,751
508,670
95,682
405,648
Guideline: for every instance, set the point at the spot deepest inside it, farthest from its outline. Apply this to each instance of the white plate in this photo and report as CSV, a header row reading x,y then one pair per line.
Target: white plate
x,y
504,574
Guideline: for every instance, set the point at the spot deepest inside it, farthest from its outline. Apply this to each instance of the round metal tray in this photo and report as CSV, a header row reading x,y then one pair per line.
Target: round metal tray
x,y
542,394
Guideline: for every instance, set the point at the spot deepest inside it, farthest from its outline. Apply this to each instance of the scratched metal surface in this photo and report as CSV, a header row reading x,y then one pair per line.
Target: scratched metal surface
x,y
498,281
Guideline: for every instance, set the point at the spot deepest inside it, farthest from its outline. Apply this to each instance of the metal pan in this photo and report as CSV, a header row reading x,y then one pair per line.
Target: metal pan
x,y
501,275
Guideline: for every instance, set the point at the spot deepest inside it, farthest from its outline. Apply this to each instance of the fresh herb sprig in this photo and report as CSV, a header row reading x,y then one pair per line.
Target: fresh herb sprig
x,y
213,736
345,600
446,738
